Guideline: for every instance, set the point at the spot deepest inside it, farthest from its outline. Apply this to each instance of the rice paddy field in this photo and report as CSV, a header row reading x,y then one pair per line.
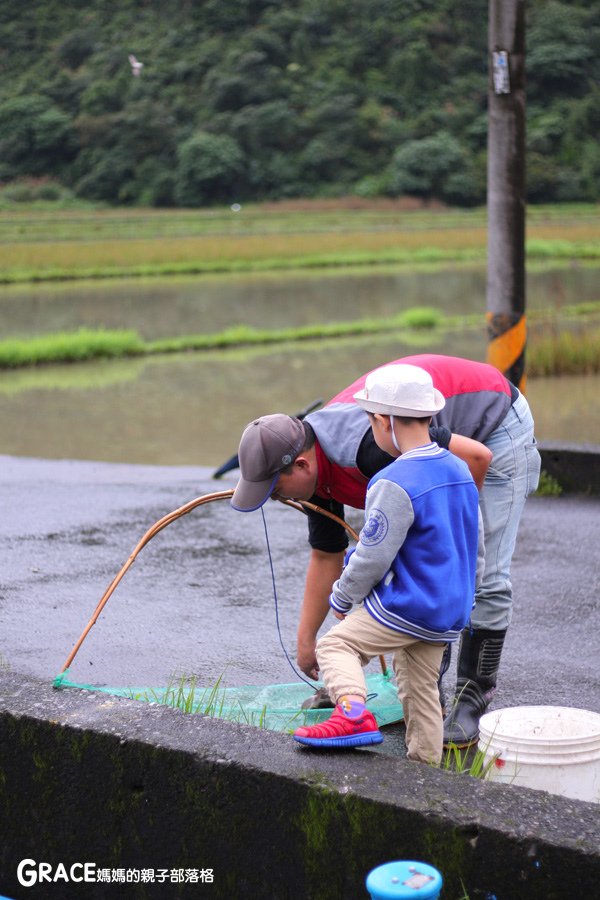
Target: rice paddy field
x,y
126,331
38,244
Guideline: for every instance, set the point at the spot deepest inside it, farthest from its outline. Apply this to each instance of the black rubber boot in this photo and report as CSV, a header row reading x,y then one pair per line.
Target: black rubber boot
x,y
477,671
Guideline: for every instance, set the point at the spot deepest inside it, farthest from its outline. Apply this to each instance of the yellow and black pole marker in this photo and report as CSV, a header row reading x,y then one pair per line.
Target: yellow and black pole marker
x,y
507,333
507,330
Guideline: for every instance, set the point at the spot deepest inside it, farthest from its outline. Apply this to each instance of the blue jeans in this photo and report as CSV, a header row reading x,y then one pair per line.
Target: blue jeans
x,y
513,475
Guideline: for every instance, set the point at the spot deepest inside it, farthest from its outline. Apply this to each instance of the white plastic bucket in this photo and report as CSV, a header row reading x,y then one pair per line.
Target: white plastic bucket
x,y
549,748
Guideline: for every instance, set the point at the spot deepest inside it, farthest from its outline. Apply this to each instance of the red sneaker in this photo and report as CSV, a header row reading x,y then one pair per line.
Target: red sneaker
x,y
341,731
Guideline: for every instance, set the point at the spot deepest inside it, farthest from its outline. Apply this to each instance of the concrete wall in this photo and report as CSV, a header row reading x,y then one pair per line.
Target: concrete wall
x,y
576,467
89,778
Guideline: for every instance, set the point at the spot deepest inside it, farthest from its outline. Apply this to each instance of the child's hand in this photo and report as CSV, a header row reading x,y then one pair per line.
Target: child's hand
x,y
340,607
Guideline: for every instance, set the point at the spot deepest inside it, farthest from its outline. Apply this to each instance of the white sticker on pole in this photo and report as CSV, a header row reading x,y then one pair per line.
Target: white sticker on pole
x,y
500,71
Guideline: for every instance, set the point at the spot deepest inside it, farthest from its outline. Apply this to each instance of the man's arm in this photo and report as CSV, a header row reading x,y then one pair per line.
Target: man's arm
x,y
476,455
323,569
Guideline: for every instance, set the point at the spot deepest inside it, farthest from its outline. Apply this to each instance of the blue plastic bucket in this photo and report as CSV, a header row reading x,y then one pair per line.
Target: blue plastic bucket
x,y
404,880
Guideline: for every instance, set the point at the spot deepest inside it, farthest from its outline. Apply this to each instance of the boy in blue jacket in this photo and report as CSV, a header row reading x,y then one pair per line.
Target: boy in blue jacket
x,y
408,587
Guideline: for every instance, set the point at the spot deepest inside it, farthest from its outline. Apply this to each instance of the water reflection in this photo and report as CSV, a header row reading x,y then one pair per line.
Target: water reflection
x,y
164,308
190,409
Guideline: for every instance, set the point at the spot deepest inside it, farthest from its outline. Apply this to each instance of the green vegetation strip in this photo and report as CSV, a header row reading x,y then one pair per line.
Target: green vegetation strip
x,y
28,223
233,266
546,250
76,346
555,351
564,353
86,344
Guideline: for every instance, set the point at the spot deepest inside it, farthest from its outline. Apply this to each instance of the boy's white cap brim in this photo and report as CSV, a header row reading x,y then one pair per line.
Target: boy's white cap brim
x,y
388,410
400,389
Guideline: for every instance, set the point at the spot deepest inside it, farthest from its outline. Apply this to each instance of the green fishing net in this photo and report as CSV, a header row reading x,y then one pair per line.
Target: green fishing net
x,y
276,707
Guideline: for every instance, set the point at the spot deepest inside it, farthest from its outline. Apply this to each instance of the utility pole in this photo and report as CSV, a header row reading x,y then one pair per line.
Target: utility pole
x,y
505,315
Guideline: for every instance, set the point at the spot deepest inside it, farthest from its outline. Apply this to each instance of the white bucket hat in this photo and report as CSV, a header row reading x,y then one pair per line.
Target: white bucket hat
x,y
400,390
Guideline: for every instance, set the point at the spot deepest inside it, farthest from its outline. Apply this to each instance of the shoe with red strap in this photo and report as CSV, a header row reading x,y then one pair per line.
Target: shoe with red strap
x,y
350,725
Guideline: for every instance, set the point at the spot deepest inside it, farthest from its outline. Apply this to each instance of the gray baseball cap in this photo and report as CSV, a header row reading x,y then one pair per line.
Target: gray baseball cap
x,y
268,445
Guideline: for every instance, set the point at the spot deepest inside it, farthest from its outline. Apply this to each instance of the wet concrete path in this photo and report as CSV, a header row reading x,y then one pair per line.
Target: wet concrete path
x,y
198,601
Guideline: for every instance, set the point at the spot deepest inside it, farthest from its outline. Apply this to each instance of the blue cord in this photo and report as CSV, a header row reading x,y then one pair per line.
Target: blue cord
x,y
302,678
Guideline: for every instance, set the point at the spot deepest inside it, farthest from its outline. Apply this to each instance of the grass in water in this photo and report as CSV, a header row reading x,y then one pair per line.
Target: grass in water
x,y
565,353
558,353
86,344
69,347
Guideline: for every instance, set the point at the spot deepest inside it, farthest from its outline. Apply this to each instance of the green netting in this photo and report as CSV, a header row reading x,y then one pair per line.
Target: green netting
x,y
276,707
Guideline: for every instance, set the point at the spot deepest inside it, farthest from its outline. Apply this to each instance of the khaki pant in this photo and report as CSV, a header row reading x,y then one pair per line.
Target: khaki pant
x,y
351,644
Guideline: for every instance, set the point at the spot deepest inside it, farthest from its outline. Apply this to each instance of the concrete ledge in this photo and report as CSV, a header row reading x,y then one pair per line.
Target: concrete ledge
x,y
86,777
576,467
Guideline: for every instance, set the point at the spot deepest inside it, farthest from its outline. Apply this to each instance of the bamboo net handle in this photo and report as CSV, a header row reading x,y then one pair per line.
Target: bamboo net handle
x,y
306,504
162,523
154,530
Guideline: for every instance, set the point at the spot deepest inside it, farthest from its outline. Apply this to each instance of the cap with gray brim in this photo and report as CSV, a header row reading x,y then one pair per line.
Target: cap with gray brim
x,y
400,390
268,445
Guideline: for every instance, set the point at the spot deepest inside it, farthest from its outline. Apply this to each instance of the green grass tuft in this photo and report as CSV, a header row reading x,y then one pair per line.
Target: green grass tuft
x,y
185,694
69,347
564,353
548,486
466,762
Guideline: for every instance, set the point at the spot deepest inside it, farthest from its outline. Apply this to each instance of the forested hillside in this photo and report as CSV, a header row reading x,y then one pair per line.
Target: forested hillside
x,y
244,100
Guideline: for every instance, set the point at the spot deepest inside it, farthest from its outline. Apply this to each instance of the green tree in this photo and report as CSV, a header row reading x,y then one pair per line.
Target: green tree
x,y
423,167
36,137
306,97
209,169
76,47
560,49
101,173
